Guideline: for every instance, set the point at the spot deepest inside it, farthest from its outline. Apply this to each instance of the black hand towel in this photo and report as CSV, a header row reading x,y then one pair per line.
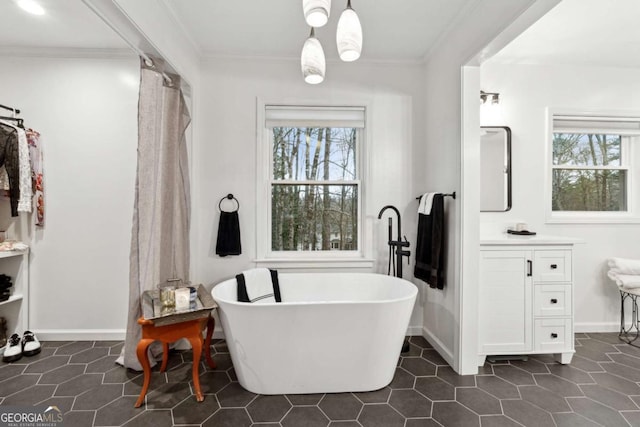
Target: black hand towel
x,y
430,245
228,242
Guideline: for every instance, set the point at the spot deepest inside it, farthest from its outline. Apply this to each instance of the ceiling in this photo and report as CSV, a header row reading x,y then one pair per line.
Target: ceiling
x,y
589,32
67,24
581,32
393,30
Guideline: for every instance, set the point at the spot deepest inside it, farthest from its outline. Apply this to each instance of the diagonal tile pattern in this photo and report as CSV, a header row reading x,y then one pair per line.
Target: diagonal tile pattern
x,y
601,387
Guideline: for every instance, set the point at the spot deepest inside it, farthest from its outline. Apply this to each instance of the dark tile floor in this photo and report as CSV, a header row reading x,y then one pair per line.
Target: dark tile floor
x,y
599,388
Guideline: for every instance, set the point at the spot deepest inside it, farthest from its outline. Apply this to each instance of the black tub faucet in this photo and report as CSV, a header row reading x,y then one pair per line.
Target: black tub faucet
x,y
398,244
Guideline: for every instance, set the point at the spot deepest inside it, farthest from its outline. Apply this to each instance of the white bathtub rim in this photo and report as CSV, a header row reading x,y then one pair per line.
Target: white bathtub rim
x,y
413,292
296,303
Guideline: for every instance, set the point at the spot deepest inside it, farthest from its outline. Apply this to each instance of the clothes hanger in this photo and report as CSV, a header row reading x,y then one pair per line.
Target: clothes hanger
x,y
19,122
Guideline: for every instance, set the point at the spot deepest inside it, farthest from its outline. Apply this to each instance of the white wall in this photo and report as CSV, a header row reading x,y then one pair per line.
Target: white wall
x,y
86,111
526,91
450,162
226,159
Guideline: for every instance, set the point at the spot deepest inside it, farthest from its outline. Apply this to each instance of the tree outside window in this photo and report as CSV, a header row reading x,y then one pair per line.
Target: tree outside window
x,y
589,173
314,189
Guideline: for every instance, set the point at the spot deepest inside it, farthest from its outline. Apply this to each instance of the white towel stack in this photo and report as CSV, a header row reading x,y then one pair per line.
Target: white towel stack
x,y
625,272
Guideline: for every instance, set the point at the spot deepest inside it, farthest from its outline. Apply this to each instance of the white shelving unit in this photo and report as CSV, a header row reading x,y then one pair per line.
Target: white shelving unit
x,y
15,310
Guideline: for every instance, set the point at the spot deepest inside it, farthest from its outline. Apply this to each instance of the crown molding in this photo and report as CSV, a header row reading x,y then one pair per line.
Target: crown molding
x,y
444,35
211,58
67,52
183,28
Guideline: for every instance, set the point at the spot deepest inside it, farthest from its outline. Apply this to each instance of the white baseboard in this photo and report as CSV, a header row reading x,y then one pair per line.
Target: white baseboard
x,y
446,353
80,334
414,331
91,334
596,327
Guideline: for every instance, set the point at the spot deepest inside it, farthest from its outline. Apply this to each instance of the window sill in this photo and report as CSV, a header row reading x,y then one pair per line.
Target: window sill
x,y
315,263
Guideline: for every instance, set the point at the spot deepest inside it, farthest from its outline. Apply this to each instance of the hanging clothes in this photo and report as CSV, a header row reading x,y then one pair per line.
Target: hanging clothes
x,y
4,179
10,159
37,175
26,188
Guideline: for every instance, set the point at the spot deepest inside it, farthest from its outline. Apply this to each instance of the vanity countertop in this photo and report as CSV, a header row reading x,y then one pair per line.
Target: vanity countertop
x,y
511,239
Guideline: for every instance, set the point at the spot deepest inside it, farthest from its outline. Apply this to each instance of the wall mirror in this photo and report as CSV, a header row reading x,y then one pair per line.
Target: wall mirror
x,y
495,169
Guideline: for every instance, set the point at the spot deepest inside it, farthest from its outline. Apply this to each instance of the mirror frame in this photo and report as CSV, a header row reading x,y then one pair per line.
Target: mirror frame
x,y
508,165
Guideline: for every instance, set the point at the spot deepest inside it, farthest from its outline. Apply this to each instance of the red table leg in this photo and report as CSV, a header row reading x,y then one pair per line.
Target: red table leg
x,y
165,356
211,324
196,345
141,352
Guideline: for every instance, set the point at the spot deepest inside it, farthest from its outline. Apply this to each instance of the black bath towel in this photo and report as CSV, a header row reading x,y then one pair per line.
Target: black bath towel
x,y
430,245
228,242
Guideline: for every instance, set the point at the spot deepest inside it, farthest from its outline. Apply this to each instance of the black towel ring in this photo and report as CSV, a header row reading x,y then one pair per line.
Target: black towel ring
x,y
230,197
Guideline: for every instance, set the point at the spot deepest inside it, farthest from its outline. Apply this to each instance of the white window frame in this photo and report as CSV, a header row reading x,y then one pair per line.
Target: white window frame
x,y
629,151
265,256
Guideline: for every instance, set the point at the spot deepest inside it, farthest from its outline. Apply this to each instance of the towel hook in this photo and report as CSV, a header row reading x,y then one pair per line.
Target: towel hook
x,y
230,197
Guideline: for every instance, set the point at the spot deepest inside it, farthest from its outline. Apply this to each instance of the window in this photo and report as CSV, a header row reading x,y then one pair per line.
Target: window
x,y
591,166
312,176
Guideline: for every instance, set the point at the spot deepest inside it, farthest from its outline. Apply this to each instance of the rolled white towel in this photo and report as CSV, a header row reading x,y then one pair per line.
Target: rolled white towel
x,y
625,265
426,202
628,281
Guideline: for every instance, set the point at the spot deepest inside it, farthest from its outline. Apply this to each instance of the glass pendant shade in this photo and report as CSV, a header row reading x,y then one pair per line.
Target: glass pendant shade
x,y
312,60
316,12
349,35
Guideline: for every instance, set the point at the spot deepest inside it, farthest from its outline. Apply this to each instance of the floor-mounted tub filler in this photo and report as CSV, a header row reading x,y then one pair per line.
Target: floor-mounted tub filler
x,y
333,332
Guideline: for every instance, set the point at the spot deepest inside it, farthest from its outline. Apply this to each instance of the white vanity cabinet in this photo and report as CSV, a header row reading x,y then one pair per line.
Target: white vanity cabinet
x,y
526,297
15,310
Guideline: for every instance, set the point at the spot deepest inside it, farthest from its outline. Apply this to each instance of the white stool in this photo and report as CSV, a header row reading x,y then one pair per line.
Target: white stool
x,y
632,333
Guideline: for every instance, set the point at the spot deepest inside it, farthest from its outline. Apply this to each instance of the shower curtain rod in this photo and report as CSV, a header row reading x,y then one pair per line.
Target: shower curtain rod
x,y
15,110
149,63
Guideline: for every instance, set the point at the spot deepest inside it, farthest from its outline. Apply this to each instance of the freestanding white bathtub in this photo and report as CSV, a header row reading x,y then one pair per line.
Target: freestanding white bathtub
x,y
332,332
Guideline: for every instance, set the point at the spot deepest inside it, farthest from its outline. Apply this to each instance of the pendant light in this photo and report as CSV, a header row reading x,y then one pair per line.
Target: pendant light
x,y
316,12
312,60
349,35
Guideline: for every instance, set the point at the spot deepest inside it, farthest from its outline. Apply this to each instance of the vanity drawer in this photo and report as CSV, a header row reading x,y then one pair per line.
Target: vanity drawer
x,y
552,266
552,300
552,335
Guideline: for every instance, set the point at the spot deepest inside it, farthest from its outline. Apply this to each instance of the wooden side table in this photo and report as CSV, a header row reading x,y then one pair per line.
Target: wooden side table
x,y
190,329
168,328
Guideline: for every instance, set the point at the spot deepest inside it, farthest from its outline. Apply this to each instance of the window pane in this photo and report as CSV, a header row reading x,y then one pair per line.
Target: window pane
x,y
314,217
589,190
580,149
314,153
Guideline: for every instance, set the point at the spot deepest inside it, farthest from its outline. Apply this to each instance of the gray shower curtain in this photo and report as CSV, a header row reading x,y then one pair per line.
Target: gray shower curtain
x,y
160,232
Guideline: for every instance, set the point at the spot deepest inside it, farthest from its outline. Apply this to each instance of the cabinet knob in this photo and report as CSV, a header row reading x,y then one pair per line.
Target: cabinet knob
x,y
554,301
554,335
554,266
